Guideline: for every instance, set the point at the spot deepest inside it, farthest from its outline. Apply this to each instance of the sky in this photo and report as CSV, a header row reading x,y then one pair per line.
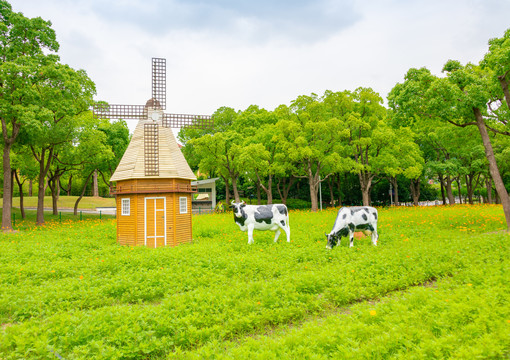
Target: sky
x,y
238,53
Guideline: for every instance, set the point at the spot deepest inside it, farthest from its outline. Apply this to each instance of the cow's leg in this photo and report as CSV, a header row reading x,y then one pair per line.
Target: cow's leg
x,y
285,227
375,236
276,234
250,233
287,232
351,235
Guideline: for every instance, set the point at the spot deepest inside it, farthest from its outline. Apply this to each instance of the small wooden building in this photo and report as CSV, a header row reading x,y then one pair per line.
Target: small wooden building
x,y
153,188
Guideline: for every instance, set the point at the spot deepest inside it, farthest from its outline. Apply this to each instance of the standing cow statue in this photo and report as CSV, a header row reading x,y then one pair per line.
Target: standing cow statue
x,y
261,217
350,219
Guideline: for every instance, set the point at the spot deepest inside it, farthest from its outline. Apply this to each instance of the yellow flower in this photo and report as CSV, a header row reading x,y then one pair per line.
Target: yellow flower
x,y
373,312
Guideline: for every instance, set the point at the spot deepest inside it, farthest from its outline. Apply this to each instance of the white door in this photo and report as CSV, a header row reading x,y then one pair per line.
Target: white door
x,y
155,221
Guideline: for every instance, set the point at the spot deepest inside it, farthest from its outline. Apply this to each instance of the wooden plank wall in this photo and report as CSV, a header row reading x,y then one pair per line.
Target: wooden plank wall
x,y
183,229
126,224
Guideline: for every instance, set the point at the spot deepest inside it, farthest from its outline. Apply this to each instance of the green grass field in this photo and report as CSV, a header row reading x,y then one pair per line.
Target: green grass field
x,y
436,287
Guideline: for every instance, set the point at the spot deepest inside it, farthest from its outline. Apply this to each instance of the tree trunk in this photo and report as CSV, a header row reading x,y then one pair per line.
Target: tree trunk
x,y
20,187
54,203
441,181
339,189
394,182
365,197
469,188
365,181
67,189
12,183
459,189
54,185
43,171
95,187
504,86
285,188
46,184
7,200
313,194
493,167
395,187
332,200
40,200
236,191
415,190
449,192
227,190
30,185
268,190
259,197
70,185
82,193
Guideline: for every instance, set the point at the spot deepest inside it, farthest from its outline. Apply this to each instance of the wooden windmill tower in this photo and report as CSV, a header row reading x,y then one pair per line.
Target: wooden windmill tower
x,y
153,180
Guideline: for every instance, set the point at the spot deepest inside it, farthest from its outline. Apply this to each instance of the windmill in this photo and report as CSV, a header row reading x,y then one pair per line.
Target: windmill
x,y
153,180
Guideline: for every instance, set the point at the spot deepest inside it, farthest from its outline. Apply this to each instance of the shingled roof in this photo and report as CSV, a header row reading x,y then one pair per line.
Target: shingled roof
x,y
172,164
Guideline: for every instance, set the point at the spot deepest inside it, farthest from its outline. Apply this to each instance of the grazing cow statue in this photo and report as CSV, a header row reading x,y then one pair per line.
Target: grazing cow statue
x,y
261,217
350,219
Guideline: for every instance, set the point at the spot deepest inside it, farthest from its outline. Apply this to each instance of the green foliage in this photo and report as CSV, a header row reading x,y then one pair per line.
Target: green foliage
x,y
71,290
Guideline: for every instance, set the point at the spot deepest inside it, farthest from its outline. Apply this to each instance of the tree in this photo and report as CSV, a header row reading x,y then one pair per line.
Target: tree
x,y
312,139
446,165
63,95
369,138
221,153
462,99
260,152
22,45
92,152
404,158
497,63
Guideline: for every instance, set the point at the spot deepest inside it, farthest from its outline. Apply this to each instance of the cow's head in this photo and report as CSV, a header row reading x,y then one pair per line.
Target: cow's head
x,y
237,208
332,240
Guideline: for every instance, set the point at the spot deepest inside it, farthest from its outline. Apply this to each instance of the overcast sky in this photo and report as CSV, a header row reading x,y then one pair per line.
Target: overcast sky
x,y
267,52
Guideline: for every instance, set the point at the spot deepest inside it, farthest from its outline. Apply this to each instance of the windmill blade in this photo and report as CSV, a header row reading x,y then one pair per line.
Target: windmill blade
x,y
151,149
159,81
119,111
186,120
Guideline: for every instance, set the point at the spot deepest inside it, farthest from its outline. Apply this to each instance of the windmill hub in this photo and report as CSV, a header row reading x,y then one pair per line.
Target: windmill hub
x,y
155,115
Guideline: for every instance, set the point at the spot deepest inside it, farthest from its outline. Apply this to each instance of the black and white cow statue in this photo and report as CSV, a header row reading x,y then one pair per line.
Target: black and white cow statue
x,y
351,219
261,217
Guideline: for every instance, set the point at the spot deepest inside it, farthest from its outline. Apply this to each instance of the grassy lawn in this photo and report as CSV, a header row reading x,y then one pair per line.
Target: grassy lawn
x,y
87,202
435,287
